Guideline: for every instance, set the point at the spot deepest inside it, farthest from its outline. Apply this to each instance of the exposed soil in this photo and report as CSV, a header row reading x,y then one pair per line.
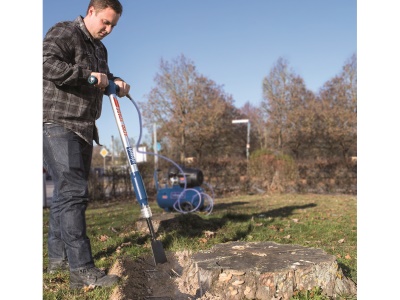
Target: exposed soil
x,y
142,280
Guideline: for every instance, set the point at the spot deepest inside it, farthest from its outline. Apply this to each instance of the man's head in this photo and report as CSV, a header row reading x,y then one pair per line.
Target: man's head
x,y
102,16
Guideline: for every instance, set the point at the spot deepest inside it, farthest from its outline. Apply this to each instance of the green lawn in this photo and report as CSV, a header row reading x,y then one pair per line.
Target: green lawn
x,y
328,222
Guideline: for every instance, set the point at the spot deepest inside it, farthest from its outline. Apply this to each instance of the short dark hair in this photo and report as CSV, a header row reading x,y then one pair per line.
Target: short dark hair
x,y
103,4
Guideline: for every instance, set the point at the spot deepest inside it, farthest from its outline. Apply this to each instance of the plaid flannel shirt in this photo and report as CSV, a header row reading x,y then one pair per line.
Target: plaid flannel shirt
x,y
70,54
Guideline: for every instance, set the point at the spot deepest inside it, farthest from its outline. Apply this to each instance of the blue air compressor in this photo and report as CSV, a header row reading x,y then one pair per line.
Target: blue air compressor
x,y
184,192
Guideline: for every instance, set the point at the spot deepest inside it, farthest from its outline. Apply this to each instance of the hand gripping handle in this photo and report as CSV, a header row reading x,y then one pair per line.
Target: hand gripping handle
x,y
112,88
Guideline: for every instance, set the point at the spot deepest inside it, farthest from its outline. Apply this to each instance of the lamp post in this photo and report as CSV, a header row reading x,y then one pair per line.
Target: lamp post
x,y
155,147
248,134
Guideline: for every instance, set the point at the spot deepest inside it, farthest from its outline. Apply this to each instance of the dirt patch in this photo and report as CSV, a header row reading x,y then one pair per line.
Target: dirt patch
x,y
143,280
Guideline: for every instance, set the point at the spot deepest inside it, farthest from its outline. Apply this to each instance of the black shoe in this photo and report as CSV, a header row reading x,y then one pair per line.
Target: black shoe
x,y
57,266
91,277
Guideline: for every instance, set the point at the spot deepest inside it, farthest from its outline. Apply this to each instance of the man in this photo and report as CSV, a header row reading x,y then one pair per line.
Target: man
x,y
73,51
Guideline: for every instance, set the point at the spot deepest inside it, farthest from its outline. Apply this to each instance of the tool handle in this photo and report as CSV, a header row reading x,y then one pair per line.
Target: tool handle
x,y
112,88
137,181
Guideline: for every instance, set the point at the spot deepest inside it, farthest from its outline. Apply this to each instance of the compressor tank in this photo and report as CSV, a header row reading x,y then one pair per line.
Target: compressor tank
x,y
168,196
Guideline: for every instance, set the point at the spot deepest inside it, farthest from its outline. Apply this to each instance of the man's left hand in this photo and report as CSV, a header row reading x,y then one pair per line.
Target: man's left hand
x,y
123,88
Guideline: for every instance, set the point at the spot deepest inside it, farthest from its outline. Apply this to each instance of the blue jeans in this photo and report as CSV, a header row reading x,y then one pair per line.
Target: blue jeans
x,y
67,157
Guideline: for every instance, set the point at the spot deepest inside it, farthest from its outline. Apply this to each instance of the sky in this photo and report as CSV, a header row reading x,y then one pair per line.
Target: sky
x,y
234,43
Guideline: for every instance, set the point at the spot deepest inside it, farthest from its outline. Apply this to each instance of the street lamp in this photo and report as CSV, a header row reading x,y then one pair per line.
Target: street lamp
x,y
248,134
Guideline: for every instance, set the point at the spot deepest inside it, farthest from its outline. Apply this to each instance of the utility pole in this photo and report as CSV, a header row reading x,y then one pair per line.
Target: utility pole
x,y
248,135
247,146
155,147
248,141
112,150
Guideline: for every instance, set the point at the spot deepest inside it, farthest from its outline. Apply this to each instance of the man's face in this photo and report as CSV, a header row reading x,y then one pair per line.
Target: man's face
x,y
101,23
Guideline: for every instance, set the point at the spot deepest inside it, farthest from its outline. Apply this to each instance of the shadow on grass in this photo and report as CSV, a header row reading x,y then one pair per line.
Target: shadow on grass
x,y
193,225
346,270
285,211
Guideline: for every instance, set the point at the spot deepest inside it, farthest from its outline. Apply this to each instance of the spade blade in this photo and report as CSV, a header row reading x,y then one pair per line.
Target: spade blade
x,y
158,252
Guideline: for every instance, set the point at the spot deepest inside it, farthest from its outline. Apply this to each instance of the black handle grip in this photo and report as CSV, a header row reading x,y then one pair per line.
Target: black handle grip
x,y
92,79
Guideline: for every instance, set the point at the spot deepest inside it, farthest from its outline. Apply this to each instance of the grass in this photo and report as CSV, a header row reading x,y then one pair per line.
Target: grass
x,y
328,222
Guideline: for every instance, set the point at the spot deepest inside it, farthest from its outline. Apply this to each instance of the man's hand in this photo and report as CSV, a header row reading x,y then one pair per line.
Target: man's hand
x,y
123,87
102,80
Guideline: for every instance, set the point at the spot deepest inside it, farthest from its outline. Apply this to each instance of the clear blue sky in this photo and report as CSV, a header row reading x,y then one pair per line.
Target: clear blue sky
x,y
235,43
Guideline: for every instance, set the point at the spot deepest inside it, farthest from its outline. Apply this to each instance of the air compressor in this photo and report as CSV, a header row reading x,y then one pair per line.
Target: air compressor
x,y
184,192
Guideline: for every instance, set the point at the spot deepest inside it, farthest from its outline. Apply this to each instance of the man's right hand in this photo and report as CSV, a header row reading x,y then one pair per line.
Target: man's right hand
x,y
102,80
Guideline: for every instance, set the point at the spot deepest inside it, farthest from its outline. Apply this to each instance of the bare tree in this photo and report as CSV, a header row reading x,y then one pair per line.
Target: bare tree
x,y
287,104
168,103
192,111
276,98
209,127
301,118
338,126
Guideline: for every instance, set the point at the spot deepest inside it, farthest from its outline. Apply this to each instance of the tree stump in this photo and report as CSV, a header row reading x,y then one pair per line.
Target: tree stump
x,y
241,270
265,270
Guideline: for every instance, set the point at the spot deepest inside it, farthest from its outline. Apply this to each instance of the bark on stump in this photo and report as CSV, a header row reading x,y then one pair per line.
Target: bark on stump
x,y
266,270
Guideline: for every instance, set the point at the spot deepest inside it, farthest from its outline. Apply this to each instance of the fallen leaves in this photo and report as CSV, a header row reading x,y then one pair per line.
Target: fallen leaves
x,y
347,256
274,227
207,235
103,238
203,240
88,288
119,248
